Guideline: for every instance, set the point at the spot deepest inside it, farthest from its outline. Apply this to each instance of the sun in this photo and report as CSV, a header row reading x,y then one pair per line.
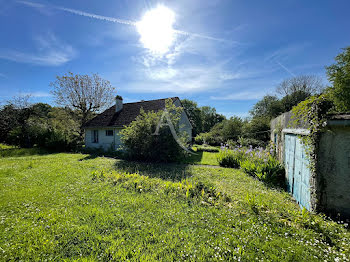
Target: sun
x,y
156,29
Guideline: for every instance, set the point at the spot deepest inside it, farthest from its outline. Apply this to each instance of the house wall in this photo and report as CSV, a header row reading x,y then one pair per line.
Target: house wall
x,y
104,142
333,170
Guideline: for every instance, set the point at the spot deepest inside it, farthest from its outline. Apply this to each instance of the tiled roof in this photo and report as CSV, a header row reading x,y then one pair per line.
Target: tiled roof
x,y
110,118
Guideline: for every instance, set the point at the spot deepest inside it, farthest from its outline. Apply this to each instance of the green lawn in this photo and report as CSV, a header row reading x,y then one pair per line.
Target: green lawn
x,y
4,146
201,158
79,207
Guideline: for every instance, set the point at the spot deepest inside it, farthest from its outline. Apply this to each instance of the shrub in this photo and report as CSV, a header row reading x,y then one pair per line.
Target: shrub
x,y
207,148
230,158
231,144
258,163
247,142
199,139
208,138
141,143
267,170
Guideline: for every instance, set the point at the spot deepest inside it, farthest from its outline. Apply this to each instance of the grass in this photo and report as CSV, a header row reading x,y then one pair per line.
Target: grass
x,y
17,152
75,207
201,158
4,146
206,148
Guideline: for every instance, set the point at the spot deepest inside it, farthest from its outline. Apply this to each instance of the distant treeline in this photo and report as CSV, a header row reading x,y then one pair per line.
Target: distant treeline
x,y
40,125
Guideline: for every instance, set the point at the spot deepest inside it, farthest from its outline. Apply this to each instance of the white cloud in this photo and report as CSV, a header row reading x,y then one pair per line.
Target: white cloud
x,y
111,19
239,114
286,52
39,7
239,96
286,69
230,76
31,4
50,52
164,74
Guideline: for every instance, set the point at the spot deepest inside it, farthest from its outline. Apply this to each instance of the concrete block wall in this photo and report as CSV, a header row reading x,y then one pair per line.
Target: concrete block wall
x,y
333,170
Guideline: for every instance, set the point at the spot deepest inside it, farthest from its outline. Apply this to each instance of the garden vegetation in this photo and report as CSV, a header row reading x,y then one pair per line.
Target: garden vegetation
x,y
74,207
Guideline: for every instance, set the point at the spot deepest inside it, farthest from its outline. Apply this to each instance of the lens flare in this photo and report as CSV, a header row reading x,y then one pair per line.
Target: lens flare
x,y
156,29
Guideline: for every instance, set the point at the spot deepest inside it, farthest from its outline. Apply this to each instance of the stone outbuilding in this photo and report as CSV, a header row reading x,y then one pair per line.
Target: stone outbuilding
x,y
326,187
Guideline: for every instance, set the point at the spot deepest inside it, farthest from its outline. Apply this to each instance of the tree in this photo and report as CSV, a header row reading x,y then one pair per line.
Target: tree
x,y
339,76
309,84
269,106
19,134
8,121
289,101
228,129
83,93
194,115
209,118
258,128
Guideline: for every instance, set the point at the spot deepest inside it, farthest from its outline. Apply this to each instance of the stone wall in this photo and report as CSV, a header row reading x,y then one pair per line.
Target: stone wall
x,y
333,170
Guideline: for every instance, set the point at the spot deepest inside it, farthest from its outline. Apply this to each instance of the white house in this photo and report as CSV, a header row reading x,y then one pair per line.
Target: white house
x,y
103,130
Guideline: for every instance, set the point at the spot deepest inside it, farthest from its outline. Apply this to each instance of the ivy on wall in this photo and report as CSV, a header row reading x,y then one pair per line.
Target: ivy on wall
x,y
312,114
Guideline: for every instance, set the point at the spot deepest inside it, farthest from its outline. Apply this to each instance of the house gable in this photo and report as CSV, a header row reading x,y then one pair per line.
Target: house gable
x,y
110,118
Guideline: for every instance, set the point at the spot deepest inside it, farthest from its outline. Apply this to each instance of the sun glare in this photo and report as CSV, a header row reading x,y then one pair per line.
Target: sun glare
x,y
156,29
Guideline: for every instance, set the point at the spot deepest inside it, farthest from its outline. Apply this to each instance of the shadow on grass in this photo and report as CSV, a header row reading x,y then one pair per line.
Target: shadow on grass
x,y
193,158
174,171
166,171
89,157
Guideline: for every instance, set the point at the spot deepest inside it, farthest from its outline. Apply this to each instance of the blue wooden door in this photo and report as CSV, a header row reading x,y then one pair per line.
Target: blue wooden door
x,y
298,171
289,160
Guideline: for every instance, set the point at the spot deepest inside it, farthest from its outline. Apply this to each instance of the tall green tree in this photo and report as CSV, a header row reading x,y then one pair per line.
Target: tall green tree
x,y
258,128
268,106
339,76
228,129
209,118
291,100
194,114
9,117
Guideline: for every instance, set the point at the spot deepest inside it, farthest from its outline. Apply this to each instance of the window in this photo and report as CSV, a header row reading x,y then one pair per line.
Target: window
x,y
94,136
109,132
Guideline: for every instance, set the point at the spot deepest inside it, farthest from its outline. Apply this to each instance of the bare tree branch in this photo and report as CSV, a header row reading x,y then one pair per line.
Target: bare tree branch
x,y
87,94
309,84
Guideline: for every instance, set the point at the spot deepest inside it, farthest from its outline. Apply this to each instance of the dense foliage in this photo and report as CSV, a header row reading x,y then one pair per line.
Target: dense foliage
x,y
142,143
255,162
339,76
222,132
202,118
39,125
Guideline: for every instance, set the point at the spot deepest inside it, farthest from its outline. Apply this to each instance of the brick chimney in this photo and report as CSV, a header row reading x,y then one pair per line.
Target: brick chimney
x,y
118,103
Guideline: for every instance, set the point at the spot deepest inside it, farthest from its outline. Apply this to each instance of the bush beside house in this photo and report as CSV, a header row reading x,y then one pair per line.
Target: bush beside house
x,y
142,143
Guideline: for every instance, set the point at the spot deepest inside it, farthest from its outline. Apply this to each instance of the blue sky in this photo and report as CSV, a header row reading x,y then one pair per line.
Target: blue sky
x,y
222,53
